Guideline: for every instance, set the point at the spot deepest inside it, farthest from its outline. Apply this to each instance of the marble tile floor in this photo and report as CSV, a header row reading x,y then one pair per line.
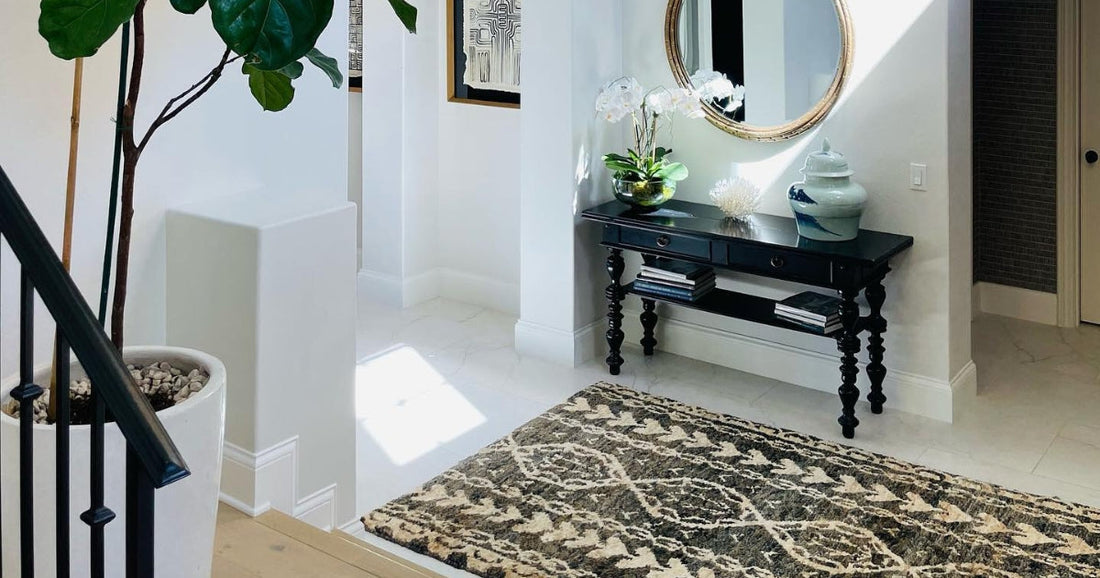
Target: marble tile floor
x,y
439,381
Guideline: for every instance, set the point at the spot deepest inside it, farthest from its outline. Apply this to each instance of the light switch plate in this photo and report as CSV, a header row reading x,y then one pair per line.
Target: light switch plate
x,y
918,177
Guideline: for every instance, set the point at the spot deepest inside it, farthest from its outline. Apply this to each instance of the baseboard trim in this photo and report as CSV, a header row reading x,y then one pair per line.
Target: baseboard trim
x,y
354,529
964,388
318,509
380,288
569,348
1017,303
478,290
908,392
420,288
257,482
392,291
247,509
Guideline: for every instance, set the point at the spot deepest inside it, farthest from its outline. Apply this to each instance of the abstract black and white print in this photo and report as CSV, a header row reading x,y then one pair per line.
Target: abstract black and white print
x,y
492,44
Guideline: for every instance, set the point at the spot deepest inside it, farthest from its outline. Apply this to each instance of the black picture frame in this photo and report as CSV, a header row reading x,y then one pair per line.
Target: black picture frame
x,y
457,90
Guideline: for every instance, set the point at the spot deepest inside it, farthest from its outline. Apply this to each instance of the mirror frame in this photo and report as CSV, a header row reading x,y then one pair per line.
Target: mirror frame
x,y
766,133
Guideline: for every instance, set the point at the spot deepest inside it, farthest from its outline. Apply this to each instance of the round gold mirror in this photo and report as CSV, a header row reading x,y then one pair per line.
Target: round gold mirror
x,y
789,60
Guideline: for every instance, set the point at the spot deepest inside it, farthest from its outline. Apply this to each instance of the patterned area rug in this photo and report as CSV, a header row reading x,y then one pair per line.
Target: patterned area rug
x,y
616,483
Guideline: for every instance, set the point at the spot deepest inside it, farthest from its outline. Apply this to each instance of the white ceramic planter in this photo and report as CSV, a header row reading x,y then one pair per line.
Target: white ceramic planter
x,y
186,512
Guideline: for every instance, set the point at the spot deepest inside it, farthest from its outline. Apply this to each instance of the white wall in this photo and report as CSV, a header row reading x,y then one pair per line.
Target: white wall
x,y
222,144
441,179
894,111
479,171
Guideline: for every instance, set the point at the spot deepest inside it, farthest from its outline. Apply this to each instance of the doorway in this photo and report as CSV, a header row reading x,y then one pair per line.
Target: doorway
x,y
1089,130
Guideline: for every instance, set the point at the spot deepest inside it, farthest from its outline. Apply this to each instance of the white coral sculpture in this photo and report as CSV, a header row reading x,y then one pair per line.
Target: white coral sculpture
x,y
737,197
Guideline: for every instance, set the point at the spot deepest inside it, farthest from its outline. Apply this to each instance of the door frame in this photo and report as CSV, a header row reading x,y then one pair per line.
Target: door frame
x,y
1069,163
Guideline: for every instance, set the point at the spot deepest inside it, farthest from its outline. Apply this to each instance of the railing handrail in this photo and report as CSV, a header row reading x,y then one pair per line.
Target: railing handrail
x,y
100,359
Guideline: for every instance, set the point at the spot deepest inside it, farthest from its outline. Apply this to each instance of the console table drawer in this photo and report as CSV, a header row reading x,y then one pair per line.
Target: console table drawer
x,y
665,243
781,264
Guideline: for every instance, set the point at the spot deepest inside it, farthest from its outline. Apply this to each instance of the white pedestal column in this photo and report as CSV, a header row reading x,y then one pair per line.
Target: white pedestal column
x,y
576,47
267,283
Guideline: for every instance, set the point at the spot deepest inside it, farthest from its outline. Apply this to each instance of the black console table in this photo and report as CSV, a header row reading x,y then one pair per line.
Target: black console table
x,y
767,246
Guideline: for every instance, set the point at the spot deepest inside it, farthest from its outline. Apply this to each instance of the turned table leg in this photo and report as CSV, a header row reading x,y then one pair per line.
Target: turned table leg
x,y
876,325
849,344
615,295
649,324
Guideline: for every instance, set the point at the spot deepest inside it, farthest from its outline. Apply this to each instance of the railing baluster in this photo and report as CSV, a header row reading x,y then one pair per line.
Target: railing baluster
x,y
97,515
25,394
64,414
139,518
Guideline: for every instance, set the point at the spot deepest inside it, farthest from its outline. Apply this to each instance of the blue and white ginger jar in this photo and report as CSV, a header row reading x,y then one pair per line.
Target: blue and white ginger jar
x,y
827,205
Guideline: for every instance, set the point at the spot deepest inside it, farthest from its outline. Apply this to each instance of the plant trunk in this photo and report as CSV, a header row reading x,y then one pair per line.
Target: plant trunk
x,y
130,155
122,257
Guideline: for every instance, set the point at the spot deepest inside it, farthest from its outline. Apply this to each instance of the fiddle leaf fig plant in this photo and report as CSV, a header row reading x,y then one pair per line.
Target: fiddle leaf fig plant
x,y
273,33
77,28
272,39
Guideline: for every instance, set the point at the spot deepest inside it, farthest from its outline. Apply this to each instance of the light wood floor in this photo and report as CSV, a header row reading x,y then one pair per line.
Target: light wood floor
x,y
275,545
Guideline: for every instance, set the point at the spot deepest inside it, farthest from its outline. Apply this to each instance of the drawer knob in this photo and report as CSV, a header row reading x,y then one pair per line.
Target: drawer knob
x,y
663,241
778,262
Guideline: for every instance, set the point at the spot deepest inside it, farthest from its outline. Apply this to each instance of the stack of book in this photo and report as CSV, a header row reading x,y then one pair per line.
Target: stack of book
x,y
814,311
675,279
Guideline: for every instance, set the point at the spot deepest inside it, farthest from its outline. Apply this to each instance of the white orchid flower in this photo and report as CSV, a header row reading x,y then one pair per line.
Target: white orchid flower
x,y
619,99
660,102
692,108
686,102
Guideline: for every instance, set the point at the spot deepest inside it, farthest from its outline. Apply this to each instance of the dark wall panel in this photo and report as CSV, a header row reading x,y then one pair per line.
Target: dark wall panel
x,y
1015,141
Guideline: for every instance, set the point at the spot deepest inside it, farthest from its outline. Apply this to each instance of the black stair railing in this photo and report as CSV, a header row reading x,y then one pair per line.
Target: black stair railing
x,y
152,460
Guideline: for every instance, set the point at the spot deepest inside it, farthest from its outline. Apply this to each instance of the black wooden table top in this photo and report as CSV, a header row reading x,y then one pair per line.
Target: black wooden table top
x,y
686,218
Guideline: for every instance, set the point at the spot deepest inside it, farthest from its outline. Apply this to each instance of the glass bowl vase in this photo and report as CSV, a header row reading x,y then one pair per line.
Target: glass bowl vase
x,y
644,196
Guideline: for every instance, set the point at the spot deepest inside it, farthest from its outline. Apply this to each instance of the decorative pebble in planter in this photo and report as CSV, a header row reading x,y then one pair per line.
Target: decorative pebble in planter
x,y
162,383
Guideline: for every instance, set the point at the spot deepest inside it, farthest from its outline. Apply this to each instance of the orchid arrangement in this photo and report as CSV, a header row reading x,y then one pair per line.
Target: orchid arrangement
x,y
651,113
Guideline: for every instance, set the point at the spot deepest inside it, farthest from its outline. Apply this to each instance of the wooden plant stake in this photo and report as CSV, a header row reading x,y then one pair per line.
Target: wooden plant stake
x,y
70,203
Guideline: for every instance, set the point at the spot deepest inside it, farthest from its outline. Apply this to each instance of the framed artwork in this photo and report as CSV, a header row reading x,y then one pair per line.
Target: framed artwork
x,y
355,45
483,52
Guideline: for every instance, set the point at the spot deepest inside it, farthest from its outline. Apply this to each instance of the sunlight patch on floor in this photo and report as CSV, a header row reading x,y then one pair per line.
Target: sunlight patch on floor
x,y
407,407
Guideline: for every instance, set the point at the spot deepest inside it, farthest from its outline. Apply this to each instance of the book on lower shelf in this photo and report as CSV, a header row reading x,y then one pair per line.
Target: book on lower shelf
x,y
706,280
673,270
675,279
810,307
823,329
664,290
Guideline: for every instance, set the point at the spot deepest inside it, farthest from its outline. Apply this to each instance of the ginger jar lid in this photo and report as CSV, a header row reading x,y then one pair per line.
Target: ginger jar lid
x,y
827,163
